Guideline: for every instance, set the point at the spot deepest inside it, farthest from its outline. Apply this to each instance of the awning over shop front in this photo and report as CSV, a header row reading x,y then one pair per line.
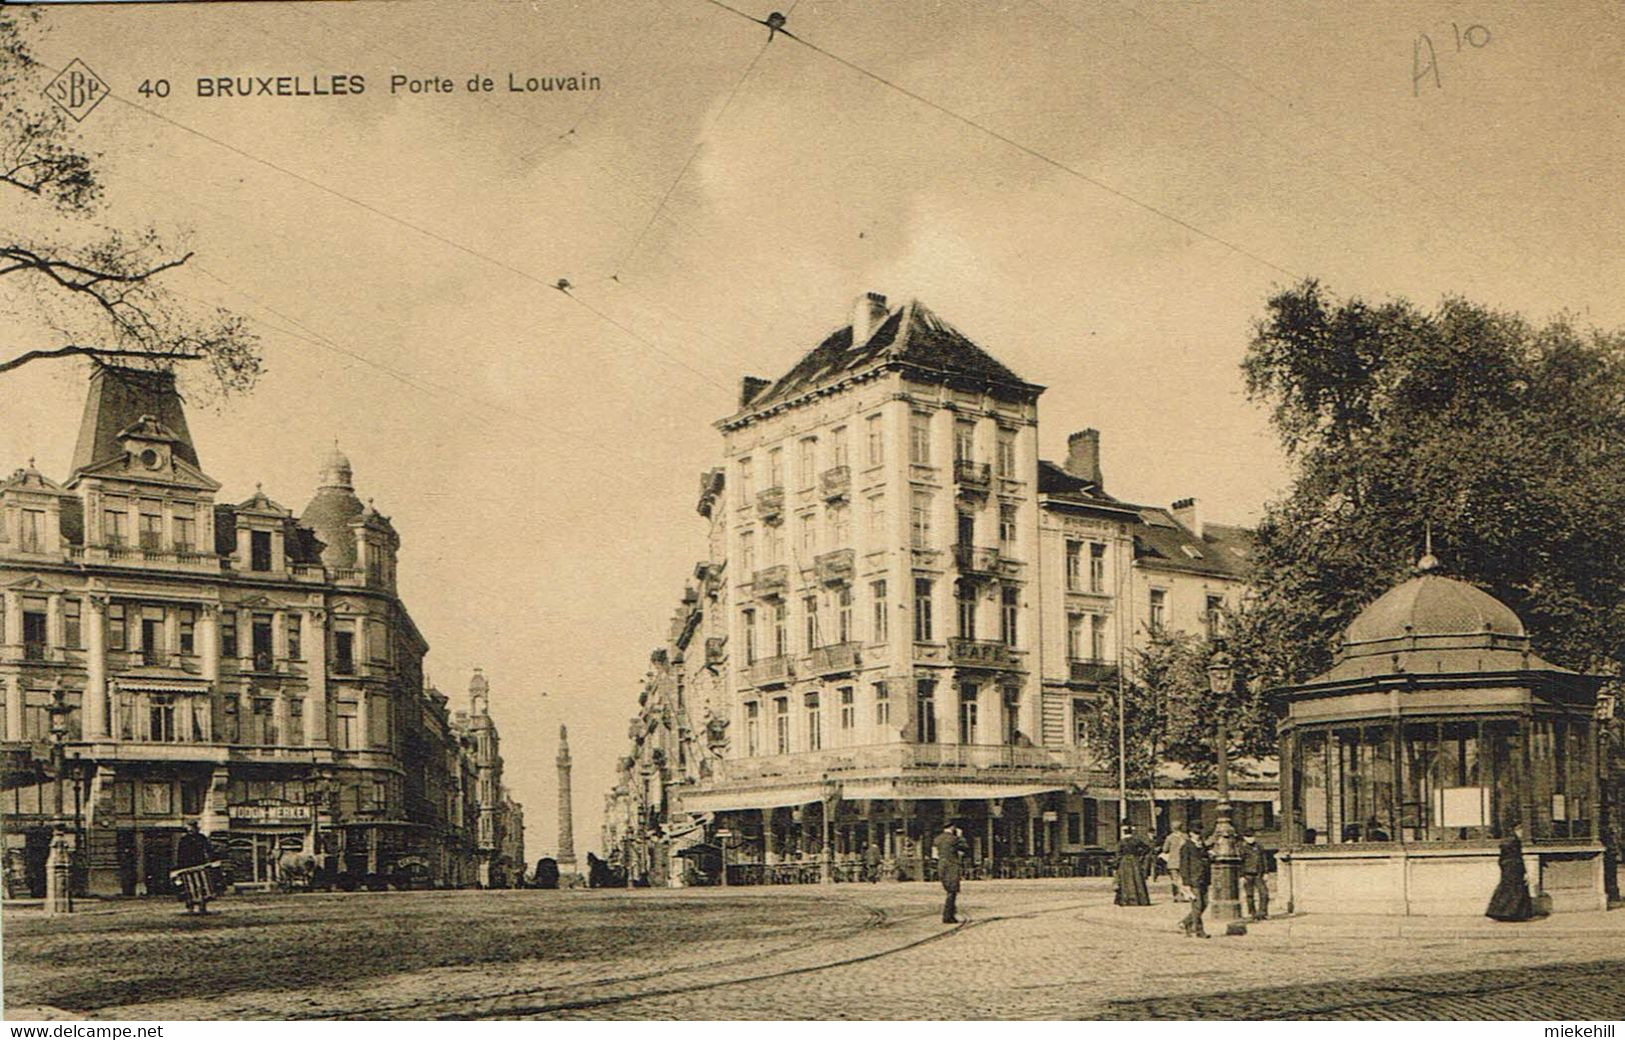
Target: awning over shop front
x,y
1180,794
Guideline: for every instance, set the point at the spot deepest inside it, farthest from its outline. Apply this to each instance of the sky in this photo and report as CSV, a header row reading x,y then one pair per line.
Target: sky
x,y
1102,194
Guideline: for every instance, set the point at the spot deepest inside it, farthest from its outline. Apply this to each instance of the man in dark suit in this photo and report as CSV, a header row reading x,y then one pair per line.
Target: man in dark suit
x,y
1196,868
951,849
1253,863
193,851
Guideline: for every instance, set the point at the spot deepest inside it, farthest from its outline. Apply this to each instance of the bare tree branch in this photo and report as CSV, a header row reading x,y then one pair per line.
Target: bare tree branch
x,y
91,352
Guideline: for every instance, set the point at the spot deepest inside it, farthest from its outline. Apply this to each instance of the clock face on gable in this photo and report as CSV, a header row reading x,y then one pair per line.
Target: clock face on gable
x,y
151,458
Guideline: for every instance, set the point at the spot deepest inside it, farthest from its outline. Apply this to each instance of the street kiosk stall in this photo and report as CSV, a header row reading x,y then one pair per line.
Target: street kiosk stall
x,y
1436,731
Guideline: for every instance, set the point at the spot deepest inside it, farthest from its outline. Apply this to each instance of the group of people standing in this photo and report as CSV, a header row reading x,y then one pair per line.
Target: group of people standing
x,y
1189,863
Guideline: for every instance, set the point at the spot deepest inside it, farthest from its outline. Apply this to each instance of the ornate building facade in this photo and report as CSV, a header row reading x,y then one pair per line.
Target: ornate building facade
x,y
231,664
498,825
905,617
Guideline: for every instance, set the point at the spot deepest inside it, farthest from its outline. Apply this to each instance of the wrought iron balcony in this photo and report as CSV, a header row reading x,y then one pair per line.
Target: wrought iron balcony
x,y
975,559
980,653
772,581
836,568
835,483
835,658
1092,671
770,504
972,475
770,671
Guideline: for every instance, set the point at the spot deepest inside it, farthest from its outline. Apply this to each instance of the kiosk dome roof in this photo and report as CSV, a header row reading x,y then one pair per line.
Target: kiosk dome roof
x,y
1431,604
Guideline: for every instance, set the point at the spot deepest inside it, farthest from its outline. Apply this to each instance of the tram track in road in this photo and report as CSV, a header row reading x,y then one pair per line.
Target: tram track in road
x,y
611,999
876,917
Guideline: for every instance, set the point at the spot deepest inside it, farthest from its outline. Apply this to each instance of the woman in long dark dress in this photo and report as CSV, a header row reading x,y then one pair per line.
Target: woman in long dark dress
x,y
1511,901
1133,853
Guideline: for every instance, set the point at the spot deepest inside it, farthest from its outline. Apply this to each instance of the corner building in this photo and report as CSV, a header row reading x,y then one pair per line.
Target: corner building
x,y
227,663
883,649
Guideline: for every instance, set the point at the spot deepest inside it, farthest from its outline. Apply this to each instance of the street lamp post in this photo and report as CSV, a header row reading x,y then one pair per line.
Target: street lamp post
x,y
59,861
1226,902
826,861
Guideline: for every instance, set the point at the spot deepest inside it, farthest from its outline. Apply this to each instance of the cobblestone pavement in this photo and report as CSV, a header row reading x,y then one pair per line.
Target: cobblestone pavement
x,y
1033,949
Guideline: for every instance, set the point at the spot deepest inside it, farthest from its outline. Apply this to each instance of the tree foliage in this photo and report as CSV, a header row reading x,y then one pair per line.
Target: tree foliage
x,y
1506,437
88,291
1172,713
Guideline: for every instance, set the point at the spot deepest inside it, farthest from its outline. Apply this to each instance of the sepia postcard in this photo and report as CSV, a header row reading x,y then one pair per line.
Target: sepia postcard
x,y
735,510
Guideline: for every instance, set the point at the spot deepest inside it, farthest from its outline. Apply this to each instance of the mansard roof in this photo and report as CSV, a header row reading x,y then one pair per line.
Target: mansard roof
x,y
912,336
118,399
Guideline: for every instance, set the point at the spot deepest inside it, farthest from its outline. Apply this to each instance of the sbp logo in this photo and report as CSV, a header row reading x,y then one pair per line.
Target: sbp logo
x,y
76,90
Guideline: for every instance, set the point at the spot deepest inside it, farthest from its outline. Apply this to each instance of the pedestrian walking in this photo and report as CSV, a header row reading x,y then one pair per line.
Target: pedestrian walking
x,y
1172,846
1511,901
1133,854
951,848
871,861
1253,867
1195,866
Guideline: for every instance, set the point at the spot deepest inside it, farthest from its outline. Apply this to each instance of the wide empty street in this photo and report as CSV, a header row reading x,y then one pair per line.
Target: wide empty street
x,y
1026,949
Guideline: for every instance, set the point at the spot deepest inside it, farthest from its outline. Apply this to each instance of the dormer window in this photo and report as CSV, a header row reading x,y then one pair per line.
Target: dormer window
x,y
259,550
32,534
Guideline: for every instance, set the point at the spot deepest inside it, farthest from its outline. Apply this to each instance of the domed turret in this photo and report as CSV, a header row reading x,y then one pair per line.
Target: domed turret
x,y
479,693
336,472
333,507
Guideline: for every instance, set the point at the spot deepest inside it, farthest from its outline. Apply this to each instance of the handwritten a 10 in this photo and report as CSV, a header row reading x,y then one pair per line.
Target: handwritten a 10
x,y
1425,59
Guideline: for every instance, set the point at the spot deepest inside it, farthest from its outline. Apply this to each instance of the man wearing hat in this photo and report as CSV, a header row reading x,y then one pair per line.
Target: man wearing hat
x,y
950,848
1195,866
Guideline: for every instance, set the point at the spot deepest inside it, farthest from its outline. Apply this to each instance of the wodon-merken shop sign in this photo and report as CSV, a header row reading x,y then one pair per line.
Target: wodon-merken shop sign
x,y
270,813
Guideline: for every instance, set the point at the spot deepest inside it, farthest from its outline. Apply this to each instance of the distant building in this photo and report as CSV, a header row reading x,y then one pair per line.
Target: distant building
x,y
906,617
227,663
499,867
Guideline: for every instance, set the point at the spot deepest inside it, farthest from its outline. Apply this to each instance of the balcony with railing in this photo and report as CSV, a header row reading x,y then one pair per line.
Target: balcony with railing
x,y
973,476
977,561
836,568
770,504
772,581
1091,671
769,671
716,648
835,659
895,761
981,653
835,483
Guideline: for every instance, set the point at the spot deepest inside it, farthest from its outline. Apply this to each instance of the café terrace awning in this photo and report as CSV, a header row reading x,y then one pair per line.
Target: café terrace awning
x,y
860,790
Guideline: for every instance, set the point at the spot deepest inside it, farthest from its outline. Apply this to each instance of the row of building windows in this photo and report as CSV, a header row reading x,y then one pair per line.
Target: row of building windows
x,y
973,727
143,628
816,632
837,529
836,454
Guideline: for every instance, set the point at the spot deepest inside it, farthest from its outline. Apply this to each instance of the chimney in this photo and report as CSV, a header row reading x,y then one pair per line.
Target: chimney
x,y
867,316
749,387
1186,512
1083,456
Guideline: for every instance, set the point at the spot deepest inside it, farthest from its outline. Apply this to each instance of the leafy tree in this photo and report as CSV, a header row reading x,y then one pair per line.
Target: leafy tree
x,y
1172,713
1507,438
89,292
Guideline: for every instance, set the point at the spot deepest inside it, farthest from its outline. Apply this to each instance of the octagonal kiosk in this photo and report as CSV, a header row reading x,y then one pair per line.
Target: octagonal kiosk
x,y
1434,733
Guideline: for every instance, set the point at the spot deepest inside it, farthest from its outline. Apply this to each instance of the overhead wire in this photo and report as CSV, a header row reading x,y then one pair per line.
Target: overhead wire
x,y
1020,146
